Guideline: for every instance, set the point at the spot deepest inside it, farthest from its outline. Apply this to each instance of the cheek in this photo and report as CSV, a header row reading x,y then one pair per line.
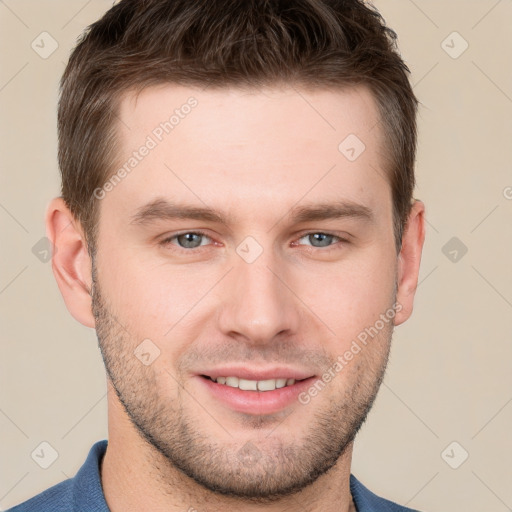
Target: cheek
x,y
151,298
348,295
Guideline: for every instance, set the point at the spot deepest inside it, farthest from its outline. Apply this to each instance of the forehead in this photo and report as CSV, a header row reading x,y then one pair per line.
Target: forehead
x,y
239,114
230,145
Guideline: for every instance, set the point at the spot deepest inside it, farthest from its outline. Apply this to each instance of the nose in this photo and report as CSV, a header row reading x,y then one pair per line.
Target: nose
x,y
258,304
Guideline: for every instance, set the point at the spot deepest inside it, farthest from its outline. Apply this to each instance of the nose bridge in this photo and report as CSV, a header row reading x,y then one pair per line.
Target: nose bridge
x,y
257,303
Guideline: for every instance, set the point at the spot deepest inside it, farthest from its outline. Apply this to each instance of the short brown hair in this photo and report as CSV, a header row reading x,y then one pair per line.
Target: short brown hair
x,y
227,43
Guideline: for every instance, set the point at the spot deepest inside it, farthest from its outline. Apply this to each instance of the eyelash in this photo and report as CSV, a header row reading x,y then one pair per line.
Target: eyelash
x,y
168,240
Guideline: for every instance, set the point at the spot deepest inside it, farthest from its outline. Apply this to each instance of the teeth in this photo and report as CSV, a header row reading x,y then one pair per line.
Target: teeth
x,y
248,385
254,385
280,383
267,385
232,381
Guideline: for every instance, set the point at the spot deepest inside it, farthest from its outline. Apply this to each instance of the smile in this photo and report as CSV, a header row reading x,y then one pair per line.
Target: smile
x,y
253,385
255,396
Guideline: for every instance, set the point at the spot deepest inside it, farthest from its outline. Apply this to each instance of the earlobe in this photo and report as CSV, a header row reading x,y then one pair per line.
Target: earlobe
x,y
409,261
71,263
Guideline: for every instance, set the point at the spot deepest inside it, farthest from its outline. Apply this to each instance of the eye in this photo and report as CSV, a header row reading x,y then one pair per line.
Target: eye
x,y
195,239
319,239
187,240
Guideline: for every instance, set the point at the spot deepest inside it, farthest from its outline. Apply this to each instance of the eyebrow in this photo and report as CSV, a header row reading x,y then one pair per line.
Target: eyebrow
x,y
162,209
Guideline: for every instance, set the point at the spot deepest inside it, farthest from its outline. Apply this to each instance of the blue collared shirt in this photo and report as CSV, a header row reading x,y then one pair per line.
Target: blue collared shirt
x,y
83,492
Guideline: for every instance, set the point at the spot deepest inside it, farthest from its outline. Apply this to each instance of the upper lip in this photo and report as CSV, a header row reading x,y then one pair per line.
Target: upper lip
x,y
244,372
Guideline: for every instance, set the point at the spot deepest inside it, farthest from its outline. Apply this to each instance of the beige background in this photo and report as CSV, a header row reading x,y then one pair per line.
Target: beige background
x,y
450,375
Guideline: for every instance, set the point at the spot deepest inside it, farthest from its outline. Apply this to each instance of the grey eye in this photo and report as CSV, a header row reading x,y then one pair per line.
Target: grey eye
x,y
189,240
319,239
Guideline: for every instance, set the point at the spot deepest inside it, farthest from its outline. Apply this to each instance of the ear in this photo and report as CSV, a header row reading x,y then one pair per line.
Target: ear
x,y
71,263
409,261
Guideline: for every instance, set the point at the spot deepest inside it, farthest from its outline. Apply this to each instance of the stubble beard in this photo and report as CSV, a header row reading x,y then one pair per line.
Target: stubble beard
x,y
257,469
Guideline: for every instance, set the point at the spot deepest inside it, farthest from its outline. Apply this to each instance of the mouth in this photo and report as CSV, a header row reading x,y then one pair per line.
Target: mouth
x,y
263,385
261,394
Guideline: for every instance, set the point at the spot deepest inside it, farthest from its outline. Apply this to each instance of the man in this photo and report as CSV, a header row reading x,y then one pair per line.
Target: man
x,y
237,224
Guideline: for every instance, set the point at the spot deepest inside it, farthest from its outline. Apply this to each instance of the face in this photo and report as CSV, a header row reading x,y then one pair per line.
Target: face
x,y
245,246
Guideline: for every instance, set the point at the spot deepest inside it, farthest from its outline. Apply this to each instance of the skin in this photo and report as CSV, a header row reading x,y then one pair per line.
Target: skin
x,y
254,155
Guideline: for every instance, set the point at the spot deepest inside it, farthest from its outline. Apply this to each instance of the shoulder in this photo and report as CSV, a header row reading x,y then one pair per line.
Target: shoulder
x,y
82,492
58,498
366,501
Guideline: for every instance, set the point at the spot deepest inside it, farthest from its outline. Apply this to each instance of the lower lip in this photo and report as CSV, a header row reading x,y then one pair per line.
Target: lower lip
x,y
256,402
